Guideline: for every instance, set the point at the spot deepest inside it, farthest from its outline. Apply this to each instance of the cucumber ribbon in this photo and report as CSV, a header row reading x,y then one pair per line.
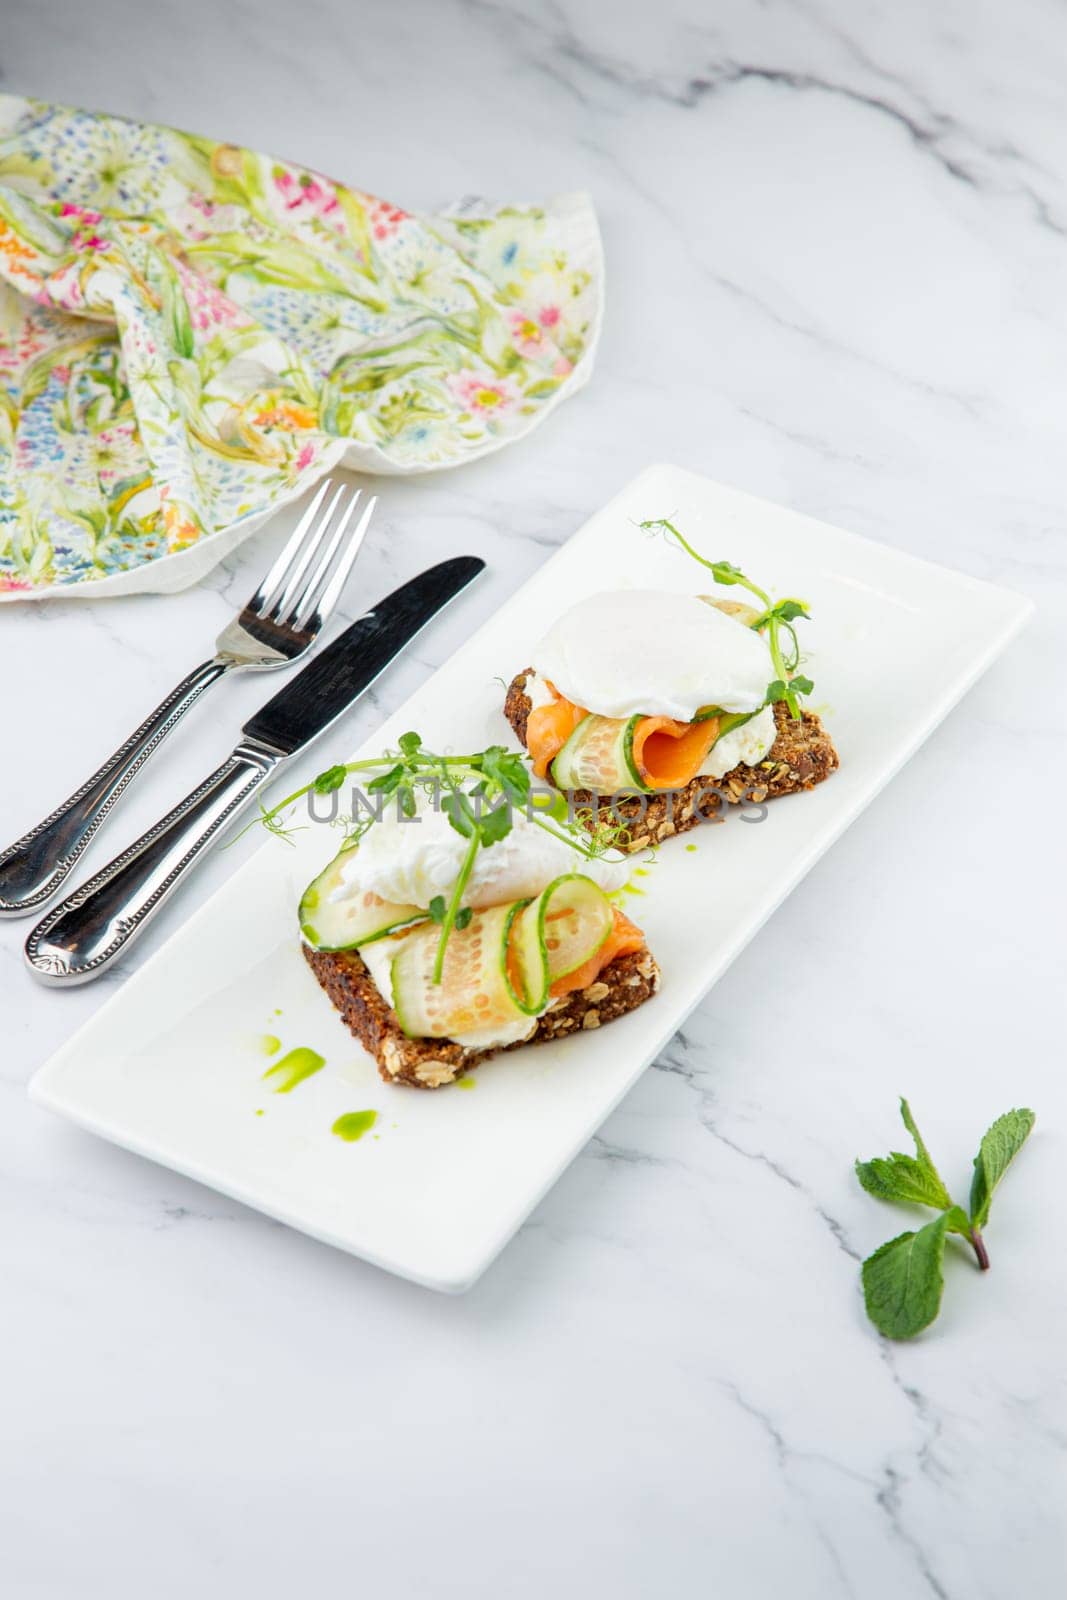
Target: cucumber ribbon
x,y
333,918
501,967
601,754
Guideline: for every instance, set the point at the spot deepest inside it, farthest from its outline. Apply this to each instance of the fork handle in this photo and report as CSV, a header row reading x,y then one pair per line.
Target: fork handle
x,y
32,869
84,934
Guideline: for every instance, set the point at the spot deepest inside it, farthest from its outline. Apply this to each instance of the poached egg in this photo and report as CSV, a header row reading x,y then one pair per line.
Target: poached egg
x,y
649,653
410,861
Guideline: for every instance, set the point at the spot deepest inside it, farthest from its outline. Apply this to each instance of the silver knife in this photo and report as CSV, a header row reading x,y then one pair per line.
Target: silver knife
x,y
81,937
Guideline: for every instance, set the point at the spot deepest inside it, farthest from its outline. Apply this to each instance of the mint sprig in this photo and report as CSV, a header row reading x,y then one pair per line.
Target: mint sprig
x,y
776,620
904,1279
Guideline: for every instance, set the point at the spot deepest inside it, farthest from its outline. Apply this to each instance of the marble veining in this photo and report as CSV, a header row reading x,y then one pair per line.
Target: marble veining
x,y
836,259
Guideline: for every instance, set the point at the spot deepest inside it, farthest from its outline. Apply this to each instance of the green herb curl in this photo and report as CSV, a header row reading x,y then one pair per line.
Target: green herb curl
x,y
476,792
776,620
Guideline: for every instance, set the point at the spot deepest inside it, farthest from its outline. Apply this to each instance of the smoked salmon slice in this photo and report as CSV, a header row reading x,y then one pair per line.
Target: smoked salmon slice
x,y
624,939
669,754
547,730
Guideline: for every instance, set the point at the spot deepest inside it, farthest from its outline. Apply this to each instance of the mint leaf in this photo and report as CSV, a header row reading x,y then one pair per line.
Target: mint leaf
x,y
911,1179
900,1177
909,1122
1000,1145
903,1281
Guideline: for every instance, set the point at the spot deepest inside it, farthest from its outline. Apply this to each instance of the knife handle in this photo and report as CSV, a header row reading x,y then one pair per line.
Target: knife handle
x,y
32,869
81,937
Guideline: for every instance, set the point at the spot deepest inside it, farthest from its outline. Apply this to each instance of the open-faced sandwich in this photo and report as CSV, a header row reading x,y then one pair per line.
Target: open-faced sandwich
x,y
655,707
458,921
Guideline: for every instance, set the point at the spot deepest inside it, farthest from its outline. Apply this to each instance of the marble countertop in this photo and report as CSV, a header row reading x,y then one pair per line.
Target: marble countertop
x,y
837,277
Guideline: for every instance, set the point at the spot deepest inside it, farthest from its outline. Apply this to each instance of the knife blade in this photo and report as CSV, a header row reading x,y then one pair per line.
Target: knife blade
x,y
85,933
324,689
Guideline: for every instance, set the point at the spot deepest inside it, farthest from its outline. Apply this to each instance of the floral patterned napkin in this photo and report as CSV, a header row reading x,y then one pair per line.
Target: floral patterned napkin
x,y
191,333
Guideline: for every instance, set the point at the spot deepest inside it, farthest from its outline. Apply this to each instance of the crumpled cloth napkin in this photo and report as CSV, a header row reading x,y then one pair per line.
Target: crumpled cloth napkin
x,y
191,333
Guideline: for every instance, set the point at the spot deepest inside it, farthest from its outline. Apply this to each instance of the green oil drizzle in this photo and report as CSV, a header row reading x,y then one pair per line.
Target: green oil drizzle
x,y
270,1044
640,872
631,888
259,1113
293,1068
690,847
354,1124
466,1083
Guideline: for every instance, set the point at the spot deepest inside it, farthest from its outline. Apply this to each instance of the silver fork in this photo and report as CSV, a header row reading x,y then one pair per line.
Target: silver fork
x,y
279,624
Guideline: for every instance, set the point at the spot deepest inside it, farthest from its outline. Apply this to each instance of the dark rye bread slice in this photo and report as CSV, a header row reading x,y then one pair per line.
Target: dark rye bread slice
x,y
624,984
801,756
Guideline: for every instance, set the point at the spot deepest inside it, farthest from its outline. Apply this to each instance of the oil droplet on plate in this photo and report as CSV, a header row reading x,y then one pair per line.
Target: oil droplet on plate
x,y
293,1068
270,1044
354,1124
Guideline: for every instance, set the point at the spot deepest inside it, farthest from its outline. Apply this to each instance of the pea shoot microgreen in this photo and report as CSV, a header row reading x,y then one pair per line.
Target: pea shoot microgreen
x,y
776,620
476,792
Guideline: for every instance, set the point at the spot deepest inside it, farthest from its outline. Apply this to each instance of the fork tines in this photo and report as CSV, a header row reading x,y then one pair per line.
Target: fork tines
x,y
300,590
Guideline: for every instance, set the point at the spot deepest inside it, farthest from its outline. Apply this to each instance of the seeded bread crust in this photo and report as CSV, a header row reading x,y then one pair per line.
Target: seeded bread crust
x,y
624,984
801,756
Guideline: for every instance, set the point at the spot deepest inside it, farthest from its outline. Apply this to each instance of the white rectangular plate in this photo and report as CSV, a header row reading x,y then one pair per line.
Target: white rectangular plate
x,y
172,1066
